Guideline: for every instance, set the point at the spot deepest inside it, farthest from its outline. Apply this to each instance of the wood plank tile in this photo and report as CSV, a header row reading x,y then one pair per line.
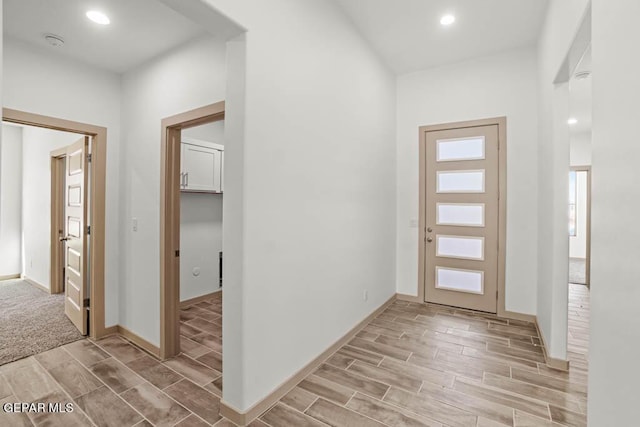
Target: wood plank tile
x,y
566,417
386,376
408,346
549,382
191,369
434,376
52,358
13,419
193,421
388,414
86,352
470,371
327,389
487,365
515,352
540,393
30,382
205,326
74,378
376,330
196,399
337,416
107,409
367,335
65,419
339,361
380,348
211,341
495,395
116,375
353,381
283,415
155,405
523,419
360,354
212,359
154,372
5,390
502,358
475,405
192,348
215,387
429,407
120,349
299,399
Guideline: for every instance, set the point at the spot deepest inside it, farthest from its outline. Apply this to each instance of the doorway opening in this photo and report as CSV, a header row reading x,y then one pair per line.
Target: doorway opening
x,y
580,180
188,167
463,214
53,212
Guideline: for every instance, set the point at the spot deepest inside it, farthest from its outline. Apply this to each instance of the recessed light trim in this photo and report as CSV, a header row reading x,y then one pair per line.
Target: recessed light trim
x,y
572,121
447,20
98,17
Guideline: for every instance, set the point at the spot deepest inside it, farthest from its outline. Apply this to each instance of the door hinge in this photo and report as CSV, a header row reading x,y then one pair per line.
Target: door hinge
x,y
89,157
88,229
86,302
177,253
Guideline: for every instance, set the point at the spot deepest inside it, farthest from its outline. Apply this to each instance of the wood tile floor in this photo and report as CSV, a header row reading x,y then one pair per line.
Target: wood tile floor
x,y
414,365
113,383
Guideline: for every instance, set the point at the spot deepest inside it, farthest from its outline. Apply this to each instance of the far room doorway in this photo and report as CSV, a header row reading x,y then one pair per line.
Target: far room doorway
x,y
52,263
192,187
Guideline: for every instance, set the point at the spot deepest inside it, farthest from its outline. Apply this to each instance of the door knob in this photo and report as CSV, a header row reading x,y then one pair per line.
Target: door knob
x,y
64,239
429,239
429,229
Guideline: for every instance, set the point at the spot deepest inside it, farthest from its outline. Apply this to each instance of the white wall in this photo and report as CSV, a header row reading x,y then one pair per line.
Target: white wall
x,y
200,243
188,77
37,144
318,225
580,149
39,81
201,228
578,243
10,200
212,132
501,85
562,22
615,272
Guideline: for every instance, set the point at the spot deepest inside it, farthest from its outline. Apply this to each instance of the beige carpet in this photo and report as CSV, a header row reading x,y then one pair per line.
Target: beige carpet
x,y
31,321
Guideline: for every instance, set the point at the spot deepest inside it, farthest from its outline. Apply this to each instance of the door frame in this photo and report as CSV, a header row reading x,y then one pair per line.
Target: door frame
x,y
170,220
501,122
97,206
58,162
587,169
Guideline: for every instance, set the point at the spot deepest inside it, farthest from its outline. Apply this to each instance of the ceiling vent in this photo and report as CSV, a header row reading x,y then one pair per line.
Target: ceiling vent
x,y
54,40
582,75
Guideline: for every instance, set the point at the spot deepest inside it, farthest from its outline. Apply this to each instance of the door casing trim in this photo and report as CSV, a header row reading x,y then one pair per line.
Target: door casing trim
x,y
97,203
501,122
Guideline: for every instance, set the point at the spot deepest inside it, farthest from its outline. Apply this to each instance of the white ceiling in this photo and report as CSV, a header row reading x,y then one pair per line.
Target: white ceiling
x,y
408,34
139,29
580,97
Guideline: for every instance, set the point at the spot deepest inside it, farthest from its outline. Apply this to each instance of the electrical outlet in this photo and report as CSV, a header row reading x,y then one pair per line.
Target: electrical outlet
x,y
134,224
365,295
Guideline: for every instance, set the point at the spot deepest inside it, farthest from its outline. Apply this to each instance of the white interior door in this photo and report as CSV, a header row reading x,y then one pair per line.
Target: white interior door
x,y
75,239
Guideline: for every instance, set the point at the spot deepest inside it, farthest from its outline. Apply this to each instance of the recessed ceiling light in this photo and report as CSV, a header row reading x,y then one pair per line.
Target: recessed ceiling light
x,y
447,20
572,121
98,17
